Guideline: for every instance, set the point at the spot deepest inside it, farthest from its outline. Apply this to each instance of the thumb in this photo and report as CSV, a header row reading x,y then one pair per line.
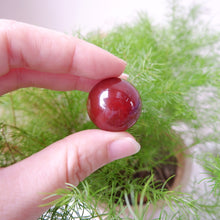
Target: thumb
x,y
68,160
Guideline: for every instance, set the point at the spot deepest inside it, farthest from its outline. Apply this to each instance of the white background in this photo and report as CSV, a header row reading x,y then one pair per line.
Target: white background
x,y
87,15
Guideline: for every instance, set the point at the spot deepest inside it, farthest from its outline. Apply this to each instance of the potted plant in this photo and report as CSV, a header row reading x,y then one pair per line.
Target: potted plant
x,y
166,64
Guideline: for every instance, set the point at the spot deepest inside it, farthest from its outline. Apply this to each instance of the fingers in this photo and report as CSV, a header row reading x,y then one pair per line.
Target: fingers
x,y
44,50
21,78
27,47
68,160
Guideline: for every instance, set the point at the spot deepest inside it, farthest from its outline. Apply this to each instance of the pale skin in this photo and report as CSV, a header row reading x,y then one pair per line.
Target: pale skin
x,y
31,56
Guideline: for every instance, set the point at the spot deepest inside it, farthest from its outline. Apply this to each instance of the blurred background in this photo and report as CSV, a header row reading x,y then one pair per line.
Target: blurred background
x,y
86,15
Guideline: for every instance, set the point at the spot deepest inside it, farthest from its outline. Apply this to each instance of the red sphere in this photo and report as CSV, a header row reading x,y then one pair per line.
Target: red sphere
x,y
114,105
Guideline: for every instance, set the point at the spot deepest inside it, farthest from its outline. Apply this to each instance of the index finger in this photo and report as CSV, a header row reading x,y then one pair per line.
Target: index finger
x,y
30,47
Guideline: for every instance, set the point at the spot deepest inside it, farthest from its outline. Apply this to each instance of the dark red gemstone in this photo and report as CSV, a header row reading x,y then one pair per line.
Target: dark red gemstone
x,y
114,105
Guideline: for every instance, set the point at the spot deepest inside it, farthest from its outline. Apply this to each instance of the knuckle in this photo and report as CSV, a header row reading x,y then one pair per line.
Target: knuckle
x,y
78,166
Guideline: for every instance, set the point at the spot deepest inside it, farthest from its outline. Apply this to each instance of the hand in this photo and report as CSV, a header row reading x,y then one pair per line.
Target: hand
x,y
33,56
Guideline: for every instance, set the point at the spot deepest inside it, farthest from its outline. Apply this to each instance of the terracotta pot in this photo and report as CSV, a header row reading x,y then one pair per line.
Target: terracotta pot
x,y
183,172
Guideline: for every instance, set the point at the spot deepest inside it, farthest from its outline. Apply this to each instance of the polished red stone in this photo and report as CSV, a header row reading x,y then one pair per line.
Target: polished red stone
x,y
114,105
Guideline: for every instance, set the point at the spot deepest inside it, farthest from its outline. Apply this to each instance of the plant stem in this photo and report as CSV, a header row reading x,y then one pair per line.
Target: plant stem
x,y
12,109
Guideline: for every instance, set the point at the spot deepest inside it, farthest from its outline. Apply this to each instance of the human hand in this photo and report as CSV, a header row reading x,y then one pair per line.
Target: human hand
x,y
33,56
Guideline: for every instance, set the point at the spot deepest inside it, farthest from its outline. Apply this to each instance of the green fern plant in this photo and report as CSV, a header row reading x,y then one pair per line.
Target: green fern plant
x,y
166,64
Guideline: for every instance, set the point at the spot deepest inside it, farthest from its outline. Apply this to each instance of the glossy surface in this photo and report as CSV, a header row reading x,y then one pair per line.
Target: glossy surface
x,y
114,105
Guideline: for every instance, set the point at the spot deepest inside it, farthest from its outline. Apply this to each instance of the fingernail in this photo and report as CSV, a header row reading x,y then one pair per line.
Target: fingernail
x,y
124,76
123,147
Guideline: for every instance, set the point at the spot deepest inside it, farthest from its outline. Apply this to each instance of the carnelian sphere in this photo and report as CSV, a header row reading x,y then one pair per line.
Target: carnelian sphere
x,y
114,104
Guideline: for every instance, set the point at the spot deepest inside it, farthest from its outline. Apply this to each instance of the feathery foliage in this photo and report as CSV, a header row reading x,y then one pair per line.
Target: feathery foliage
x,y
166,64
